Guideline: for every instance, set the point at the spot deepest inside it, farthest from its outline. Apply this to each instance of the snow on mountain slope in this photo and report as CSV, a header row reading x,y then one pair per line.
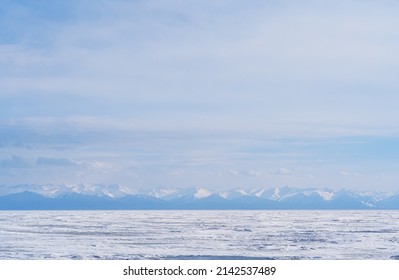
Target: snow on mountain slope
x,y
176,193
283,196
233,194
113,191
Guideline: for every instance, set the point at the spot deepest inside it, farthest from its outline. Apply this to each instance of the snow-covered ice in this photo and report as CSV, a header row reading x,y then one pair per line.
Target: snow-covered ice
x,y
199,235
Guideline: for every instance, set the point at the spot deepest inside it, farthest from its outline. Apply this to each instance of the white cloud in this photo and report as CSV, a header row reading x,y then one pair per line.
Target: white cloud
x,y
283,172
212,86
99,165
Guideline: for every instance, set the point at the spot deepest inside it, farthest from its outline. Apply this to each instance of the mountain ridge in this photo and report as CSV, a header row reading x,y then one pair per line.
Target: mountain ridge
x,y
117,197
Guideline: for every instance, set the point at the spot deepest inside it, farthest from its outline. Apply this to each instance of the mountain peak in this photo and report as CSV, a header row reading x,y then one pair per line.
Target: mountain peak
x,y
198,197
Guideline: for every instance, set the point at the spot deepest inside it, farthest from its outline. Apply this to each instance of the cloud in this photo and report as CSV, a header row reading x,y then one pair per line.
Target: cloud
x,y
299,57
177,173
283,172
247,173
59,162
234,172
15,162
346,173
99,165
254,173
184,85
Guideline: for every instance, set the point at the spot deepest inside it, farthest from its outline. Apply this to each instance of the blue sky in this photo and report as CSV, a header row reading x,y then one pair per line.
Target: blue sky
x,y
219,94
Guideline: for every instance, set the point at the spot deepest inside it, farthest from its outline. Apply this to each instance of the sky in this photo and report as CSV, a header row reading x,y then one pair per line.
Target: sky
x,y
215,94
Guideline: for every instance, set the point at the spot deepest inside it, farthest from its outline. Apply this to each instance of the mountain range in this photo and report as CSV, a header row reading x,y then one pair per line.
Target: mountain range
x,y
117,197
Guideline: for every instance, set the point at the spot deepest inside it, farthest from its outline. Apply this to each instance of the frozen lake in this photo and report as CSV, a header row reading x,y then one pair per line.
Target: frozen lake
x,y
199,235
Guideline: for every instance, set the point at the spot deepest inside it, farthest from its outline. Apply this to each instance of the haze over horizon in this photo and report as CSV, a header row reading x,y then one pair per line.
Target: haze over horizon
x,y
217,94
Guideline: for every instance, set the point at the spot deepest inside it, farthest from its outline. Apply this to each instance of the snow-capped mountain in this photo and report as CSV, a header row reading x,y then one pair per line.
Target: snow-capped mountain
x,y
86,196
113,191
175,193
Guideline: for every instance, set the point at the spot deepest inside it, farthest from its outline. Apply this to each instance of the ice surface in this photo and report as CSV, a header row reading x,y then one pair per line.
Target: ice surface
x,y
199,235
